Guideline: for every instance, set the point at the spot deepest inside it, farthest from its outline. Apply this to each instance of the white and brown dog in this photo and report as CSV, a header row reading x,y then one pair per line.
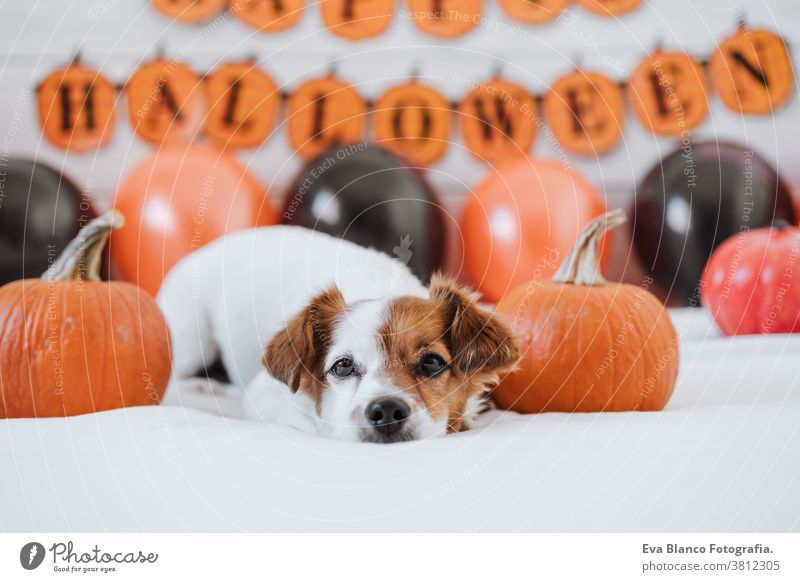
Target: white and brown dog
x,y
356,347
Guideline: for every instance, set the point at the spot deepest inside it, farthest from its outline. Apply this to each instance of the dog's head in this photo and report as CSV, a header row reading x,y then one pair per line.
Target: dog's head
x,y
392,369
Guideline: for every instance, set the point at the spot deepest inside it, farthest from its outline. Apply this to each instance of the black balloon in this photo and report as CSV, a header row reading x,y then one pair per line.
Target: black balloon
x,y
373,198
40,212
693,200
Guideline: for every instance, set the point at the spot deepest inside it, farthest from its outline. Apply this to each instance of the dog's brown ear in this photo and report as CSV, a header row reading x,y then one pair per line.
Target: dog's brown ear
x,y
478,340
300,347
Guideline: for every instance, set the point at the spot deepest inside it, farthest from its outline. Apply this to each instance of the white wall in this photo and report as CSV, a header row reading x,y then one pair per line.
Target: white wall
x,y
116,35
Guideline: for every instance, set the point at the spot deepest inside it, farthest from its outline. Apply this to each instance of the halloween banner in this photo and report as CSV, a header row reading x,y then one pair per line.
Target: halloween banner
x,y
363,19
237,105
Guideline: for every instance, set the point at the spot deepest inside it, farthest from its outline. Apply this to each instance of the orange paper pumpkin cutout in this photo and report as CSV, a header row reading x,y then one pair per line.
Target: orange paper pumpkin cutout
x,y
445,18
76,108
534,11
357,19
413,121
610,7
498,120
668,93
268,15
752,71
323,112
190,10
243,105
165,100
585,112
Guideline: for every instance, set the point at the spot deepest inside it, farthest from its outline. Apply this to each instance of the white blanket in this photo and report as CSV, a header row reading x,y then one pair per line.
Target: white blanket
x,y
725,455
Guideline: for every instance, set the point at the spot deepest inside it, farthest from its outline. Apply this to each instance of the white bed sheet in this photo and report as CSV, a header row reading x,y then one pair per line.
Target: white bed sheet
x,y
725,455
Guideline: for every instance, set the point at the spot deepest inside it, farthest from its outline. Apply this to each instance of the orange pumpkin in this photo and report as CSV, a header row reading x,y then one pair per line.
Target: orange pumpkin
x,y
73,344
243,105
668,93
588,345
498,120
752,71
165,100
445,18
268,15
413,121
357,19
537,12
610,7
76,108
323,112
190,10
585,112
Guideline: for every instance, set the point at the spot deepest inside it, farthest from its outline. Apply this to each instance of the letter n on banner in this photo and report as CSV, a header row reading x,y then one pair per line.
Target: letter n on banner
x,y
752,71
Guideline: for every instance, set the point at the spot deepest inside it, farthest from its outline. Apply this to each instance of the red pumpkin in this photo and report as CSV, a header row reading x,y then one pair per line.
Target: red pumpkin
x,y
751,284
74,344
588,345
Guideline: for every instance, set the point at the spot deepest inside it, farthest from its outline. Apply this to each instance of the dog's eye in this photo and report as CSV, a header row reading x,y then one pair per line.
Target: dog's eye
x,y
431,365
343,367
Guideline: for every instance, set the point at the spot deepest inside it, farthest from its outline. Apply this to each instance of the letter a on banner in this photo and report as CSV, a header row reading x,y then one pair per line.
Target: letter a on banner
x,y
668,93
585,112
165,99
414,122
323,112
243,105
76,108
498,120
752,71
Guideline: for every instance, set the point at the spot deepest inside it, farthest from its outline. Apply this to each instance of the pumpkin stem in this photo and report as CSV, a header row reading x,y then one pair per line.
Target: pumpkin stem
x,y
80,261
582,266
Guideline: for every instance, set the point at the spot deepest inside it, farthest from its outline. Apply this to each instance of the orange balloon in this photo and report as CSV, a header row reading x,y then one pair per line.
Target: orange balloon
x,y
521,222
176,201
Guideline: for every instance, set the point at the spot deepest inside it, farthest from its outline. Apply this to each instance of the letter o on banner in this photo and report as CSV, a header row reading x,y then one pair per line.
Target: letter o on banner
x,y
412,121
268,15
585,112
165,99
76,108
530,12
752,71
498,120
668,93
357,19
445,18
189,10
610,7
324,112
243,105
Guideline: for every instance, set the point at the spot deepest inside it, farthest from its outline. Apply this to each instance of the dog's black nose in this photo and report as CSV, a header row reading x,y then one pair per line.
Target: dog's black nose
x,y
388,415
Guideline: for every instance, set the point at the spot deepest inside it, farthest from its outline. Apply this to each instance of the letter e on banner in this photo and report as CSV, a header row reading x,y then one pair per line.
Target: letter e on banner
x,y
668,93
585,112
